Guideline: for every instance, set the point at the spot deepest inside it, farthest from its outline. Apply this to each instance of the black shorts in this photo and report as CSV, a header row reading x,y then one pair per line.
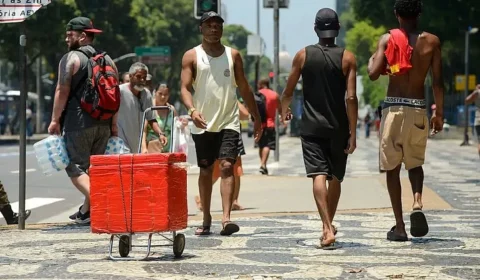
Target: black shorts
x,y
268,139
81,144
325,156
477,131
211,146
241,147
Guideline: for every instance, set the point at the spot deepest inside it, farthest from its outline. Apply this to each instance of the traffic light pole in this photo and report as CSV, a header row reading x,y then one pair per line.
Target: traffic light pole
x,y
23,120
276,70
465,94
257,62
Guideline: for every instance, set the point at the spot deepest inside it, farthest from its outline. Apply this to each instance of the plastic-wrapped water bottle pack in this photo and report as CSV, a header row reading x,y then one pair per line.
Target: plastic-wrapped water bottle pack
x,y
116,146
51,154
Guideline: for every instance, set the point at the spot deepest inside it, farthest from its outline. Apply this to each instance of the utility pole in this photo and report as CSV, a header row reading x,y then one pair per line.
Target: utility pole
x,y
276,71
467,50
40,100
23,120
276,5
12,14
257,62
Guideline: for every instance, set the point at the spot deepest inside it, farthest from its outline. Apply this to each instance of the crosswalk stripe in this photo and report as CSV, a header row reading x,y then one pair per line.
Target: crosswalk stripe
x,y
35,202
27,170
61,217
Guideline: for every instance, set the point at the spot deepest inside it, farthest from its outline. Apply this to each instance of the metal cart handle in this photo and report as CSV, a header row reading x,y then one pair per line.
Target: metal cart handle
x,y
156,108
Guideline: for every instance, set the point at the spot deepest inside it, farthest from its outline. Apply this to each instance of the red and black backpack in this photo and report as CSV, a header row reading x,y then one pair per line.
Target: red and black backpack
x,y
100,93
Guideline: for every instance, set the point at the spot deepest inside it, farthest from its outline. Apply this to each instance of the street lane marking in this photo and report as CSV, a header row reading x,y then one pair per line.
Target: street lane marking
x,y
35,202
26,170
16,154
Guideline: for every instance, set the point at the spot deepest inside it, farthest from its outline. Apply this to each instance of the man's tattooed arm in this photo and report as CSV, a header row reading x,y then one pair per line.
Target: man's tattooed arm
x,y
67,68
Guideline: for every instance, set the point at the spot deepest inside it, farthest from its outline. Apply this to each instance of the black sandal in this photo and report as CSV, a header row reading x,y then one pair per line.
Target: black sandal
x,y
392,236
418,223
203,230
229,228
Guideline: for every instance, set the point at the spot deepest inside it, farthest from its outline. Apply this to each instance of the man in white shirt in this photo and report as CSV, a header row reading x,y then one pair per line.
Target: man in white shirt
x,y
214,71
135,99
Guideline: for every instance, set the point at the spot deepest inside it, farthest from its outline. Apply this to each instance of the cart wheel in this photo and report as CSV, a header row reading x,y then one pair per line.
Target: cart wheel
x,y
178,245
124,246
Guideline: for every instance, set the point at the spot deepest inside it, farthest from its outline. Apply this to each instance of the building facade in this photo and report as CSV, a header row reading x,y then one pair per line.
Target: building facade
x,y
341,6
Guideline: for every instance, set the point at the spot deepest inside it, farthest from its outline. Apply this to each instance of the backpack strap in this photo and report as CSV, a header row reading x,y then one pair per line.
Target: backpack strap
x,y
87,51
89,54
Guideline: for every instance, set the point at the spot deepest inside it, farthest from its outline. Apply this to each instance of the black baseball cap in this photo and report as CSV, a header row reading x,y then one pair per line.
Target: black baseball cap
x,y
208,15
82,24
326,23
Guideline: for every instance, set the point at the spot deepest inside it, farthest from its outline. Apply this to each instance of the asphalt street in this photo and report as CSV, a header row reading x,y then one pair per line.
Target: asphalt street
x,y
52,198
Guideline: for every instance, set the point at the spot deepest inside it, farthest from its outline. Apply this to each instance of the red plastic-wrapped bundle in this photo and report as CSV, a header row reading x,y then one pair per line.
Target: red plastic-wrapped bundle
x,y
158,202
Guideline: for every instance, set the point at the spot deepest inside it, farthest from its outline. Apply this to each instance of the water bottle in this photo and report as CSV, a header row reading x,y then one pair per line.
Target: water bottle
x,y
51,154
115,146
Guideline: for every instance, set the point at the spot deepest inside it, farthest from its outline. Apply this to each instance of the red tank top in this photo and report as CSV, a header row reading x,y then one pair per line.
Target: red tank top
x,y
398,53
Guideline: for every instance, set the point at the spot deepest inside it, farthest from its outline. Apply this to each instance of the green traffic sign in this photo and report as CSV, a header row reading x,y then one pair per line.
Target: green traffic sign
x,y
153,51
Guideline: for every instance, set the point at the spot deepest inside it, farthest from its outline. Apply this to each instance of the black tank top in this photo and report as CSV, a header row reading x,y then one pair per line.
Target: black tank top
x,y
324,90
75,117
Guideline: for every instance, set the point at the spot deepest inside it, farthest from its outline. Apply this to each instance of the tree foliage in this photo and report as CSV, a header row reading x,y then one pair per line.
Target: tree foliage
x,y
236,36
448,19
126,24
362,40
366,20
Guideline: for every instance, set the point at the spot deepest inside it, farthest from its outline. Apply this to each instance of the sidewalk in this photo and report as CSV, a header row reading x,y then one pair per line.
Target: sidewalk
x,y
268,247
278,239
280,230
275,194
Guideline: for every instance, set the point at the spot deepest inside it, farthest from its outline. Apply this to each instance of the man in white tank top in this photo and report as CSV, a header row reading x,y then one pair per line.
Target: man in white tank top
x,y
214,71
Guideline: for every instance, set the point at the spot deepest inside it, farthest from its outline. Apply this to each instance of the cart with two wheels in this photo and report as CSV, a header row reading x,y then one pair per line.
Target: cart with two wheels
x,y
139,193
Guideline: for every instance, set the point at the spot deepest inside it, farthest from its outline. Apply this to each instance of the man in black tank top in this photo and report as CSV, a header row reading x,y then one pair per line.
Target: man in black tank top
x,y
328,126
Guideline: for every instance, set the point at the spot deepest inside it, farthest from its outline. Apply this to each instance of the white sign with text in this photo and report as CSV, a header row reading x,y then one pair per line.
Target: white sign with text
x,y
18,10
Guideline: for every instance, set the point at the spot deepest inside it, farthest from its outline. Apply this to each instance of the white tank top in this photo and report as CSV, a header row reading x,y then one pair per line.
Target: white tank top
x,y
215,92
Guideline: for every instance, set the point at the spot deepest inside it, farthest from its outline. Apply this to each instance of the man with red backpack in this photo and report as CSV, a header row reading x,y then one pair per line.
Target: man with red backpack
x,y
87,98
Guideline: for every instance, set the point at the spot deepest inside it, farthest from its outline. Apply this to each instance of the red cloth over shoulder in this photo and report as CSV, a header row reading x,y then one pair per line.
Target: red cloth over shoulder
x,y
398,53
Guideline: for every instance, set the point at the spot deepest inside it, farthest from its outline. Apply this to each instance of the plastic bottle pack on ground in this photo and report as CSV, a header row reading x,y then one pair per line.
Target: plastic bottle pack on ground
x,y
51,154
116,146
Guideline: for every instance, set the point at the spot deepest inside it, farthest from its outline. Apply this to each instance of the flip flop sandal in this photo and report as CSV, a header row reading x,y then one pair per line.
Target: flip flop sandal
x,y
392,236
229,228
327,247
418,223
203,230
